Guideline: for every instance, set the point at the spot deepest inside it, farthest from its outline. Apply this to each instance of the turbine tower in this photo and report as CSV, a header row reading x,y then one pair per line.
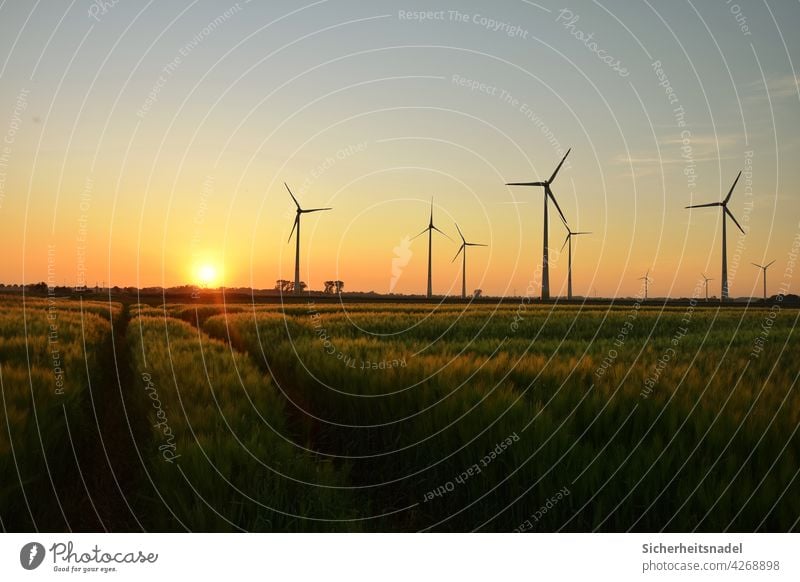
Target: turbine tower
x,y
296,225
463,248
706,279
548,193
725,214
646,280
429,229
570,234
764,270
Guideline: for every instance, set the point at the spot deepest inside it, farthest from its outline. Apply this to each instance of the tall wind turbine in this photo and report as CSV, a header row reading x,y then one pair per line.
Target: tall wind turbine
x,y
570,234
725,214
706,279
429,229
296,225
646,280
764,269
548,193
463,248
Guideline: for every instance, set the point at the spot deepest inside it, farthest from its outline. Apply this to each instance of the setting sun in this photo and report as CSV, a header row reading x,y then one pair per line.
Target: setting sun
x,y
207,275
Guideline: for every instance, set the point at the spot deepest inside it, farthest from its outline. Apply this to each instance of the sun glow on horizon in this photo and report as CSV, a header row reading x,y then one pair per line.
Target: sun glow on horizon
x,y
207,275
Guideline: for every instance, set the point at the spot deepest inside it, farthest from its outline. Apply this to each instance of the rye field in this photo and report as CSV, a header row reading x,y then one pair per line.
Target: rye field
x,y
398,417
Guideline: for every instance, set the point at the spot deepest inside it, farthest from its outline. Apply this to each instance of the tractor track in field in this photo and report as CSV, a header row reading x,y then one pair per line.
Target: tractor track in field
x,y
109,459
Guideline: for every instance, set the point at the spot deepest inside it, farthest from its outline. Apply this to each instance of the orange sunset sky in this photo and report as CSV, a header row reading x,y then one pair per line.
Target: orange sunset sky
x,y
149,145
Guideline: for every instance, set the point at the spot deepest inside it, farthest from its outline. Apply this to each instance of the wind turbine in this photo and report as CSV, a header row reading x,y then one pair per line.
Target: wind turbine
x,y
764,269
463,248
429,229
646,280
725,214
296,225
706,279
570,234
548,193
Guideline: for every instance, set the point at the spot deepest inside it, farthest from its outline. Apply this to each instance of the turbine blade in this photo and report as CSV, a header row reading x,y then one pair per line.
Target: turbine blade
x,y
461,248
469,244
728,197
582,232
768,264
734,219
443,234
553,177
553,198
316,210
755,265
525,183
420,234
459,233
296,220
292,195
566,240
704,205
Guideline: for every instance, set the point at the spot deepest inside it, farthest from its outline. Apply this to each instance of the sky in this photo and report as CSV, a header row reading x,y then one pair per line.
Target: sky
x,y
148,143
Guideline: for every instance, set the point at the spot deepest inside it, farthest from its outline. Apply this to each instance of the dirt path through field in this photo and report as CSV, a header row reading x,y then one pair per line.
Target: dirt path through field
x,y
109,460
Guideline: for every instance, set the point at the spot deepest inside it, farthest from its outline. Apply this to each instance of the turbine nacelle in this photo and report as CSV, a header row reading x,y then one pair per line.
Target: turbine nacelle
x,y
762,266
465,244
432,226
299,211
546,184
570,234
724,204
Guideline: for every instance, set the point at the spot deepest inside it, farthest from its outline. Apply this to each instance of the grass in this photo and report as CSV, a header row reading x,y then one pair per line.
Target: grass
x,y
49,352
397,417
716,430
221,456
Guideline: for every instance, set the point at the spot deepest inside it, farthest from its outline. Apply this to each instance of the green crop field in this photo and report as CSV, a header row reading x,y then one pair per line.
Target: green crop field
x,y
399,417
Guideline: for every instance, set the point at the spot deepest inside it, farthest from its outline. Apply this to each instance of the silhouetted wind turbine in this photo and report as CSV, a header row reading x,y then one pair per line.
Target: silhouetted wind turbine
x,y
548,193
570,234
646,280
296,225
725,214
764,269
706,279
430,228
463,248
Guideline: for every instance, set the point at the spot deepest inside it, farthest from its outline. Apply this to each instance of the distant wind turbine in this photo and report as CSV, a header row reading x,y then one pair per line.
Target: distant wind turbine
x,y
548,193
764,269
646,280
429,229
570,234
463,248
725,214
706,279
296,225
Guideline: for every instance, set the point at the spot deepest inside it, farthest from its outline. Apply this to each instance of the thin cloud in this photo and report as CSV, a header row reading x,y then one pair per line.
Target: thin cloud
x,y
776,87
705,148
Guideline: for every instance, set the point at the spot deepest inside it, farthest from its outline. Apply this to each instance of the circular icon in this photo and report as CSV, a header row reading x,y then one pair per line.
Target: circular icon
x,y
31,555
